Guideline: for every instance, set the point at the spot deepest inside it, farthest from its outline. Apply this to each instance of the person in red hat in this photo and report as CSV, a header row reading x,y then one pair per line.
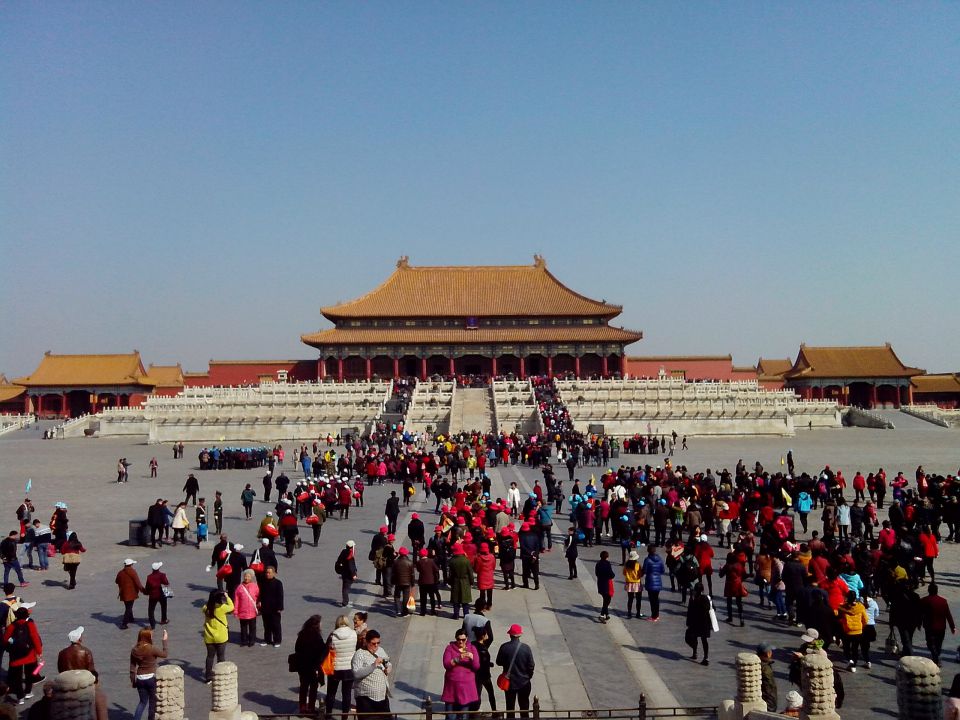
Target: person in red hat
x,y
483,565
384,561
461,581
416,532
376,544
428,578
516,659
401,575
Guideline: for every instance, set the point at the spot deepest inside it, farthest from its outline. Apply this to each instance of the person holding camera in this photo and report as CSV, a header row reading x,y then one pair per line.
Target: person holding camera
x,y
215,629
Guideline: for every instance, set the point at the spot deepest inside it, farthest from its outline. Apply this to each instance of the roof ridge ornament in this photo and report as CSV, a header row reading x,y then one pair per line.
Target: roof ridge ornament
x,y
539,262
403,262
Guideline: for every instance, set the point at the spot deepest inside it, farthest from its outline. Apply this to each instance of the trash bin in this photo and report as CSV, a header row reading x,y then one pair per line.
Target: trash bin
x,y
139,533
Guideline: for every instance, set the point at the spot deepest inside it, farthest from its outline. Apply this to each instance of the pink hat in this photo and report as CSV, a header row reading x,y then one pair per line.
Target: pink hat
x,y
403,551
391,538
515,630
524,527
415,516
438,528
423,553
458,549
468,537
383,528
461,521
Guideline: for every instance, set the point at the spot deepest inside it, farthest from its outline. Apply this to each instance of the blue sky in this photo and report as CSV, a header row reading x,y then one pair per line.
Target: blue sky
x,y
195,180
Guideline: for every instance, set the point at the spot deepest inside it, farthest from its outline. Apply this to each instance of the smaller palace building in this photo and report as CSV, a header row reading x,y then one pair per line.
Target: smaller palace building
x,y
483,320
867,377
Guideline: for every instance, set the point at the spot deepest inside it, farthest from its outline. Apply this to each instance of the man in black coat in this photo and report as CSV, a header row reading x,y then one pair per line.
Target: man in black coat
x,y
416,532
516,659
346,568
271,605
155,520
392,511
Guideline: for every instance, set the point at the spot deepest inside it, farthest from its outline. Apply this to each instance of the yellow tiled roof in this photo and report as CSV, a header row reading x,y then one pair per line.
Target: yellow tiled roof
x,y
774,367
937,383
166,375
474,291
849,362
64,370
454,336
10,392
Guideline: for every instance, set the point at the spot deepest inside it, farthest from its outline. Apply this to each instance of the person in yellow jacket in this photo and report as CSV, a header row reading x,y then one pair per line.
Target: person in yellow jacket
x,y
215,628
853,617
632,575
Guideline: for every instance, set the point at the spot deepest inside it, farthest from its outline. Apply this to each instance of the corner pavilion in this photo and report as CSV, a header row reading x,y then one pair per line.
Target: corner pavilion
x,y
478,320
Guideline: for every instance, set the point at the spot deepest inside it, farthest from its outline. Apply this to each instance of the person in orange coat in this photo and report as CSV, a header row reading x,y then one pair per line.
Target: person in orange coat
x,y
733,590
130,588
928,544
483,566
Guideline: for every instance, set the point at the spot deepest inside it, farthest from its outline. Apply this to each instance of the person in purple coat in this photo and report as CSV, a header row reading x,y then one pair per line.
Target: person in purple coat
x,y
461,661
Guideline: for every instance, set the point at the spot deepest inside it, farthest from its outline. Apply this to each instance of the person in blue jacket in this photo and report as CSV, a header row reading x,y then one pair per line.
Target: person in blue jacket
x,y
803,504
653,570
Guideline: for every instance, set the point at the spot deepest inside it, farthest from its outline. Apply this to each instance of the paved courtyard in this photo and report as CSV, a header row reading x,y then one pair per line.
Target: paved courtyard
x,y
580,663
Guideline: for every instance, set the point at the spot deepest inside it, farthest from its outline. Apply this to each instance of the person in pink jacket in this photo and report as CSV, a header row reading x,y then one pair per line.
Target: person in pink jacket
x,y
483,566
461,661
245,607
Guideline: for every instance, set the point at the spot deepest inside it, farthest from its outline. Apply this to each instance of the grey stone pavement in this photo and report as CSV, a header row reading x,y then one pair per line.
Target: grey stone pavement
x,y
580,663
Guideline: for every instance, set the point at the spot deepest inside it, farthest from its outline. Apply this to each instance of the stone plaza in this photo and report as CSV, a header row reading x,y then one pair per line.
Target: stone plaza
x,y
580,662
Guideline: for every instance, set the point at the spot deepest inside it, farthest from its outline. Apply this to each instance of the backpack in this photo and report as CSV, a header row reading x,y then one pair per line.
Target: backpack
x,y
21,644
379,559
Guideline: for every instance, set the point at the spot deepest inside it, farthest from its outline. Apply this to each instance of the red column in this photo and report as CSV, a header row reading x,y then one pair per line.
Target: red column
x,y
623,365
549,365
369,363
576,365
423,368
910,394
339,369
453,366
523,368
64,406
493,366
39,404
396,368
873,396
322,369
604,370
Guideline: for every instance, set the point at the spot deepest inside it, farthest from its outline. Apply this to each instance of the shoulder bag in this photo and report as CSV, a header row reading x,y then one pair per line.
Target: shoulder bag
x,y
503,680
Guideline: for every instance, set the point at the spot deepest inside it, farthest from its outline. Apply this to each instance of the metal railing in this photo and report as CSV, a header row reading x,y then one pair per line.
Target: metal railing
x,y
640,711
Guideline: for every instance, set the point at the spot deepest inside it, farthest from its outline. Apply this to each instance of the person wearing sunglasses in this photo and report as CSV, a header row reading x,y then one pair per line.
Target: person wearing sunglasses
x,y
461,661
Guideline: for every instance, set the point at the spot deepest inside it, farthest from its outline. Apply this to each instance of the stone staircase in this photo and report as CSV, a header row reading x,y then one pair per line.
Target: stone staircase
x,y
472,410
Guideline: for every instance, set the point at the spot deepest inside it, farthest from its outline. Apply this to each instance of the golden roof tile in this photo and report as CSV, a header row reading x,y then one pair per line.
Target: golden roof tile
x,y
936,383
471,291
65,370
166,375
848,362
10,392
773,367
455,336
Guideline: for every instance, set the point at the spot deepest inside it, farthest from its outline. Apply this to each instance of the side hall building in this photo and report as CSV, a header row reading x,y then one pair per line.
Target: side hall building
x,y
476,320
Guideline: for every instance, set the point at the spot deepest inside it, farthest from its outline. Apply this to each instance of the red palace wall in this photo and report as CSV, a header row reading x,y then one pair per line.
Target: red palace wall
x,y
249,373
693,368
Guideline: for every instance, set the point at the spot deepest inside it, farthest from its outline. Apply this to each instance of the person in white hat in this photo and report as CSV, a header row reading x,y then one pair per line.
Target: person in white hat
x,y
76,656
157,588
130,588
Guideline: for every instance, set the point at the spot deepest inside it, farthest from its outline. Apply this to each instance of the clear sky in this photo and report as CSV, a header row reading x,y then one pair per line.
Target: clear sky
x,y
196,179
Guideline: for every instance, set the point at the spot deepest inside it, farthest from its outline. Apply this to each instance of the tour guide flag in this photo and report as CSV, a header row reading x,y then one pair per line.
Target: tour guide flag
x,y
786,498
28,486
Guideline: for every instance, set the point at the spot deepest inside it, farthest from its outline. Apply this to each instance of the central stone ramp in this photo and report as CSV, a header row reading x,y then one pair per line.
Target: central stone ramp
x,y
472,410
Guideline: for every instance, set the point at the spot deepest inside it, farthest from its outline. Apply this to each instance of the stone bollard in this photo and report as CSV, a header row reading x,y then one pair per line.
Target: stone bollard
x,y
749,697
816,682
74,695
225,705
170,699
918,689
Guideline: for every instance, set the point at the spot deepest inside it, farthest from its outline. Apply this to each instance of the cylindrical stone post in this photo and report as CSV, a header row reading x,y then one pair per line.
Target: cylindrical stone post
x,y
748,678
170,698
918,689
224,688
74,695
816,683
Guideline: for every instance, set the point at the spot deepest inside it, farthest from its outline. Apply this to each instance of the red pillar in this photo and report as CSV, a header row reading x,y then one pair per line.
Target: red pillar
x,y
910,394
549,365
369,363
322,369
523,368
576,365
873,396
39,404
423,368
623,365
396,368
339,369
493,366
453,366
64,405
604,370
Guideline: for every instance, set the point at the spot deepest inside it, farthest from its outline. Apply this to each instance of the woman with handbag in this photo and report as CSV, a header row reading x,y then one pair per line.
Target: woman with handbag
x,y
245,607
342,644
71,549
308,655
215,629
157,588
699,625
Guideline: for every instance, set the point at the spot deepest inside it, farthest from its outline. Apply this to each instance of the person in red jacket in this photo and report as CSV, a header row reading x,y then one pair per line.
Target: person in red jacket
x,y
930,551
23,643
483,566
703,552
733,590
859,485
936,615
